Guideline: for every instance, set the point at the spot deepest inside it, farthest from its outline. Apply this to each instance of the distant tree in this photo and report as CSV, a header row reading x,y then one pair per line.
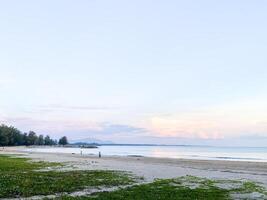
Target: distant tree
x,y
41,140
3,136
10,132
47,140
25,139
32,138
63,140
10,136
17,138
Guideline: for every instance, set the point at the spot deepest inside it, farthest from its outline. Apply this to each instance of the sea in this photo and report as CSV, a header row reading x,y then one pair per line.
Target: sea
x,y
253,154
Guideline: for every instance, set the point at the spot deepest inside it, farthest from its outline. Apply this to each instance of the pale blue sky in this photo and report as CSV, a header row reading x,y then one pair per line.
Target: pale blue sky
x,y
129,70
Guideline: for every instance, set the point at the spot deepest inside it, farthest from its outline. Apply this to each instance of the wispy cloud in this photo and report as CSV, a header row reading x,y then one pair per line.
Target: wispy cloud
x,y
219,122
108,128
51,126
6,82
57,107
231,120
74,129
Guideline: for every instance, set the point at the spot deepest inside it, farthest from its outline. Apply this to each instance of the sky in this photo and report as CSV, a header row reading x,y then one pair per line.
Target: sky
x,y
172,72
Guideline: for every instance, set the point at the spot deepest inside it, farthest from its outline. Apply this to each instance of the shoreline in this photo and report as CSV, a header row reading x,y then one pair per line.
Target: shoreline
x,y
152,168
203,156
22,149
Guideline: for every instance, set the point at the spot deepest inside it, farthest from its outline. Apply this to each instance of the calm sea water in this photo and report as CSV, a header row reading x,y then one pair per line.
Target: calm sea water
x,y
187,152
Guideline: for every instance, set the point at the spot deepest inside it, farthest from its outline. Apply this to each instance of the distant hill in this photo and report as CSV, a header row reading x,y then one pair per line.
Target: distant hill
x,y
90,141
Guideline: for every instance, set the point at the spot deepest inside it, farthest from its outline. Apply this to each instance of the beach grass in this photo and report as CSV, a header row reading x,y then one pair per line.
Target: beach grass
x,y
21,178
183,188
161,189
16,163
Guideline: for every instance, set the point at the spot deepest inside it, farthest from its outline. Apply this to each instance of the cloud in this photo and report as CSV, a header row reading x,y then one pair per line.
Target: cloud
x,y
255,137
214,122
6,82
233,120
184,128
74,129
108,128
50,126
56,107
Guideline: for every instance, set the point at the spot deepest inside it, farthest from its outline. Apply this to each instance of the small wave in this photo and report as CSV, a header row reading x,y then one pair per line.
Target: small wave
x,y
138,156
236,158
196,156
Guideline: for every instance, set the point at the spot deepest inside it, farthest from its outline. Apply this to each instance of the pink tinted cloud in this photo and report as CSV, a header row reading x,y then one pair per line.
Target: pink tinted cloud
x,y
184,128
231,120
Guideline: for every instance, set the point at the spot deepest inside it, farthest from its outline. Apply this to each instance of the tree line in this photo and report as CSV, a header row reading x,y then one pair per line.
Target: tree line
x,y
11,136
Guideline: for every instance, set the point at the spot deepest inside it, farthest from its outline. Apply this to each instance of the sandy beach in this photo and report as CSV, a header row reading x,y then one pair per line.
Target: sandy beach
x,y
154,168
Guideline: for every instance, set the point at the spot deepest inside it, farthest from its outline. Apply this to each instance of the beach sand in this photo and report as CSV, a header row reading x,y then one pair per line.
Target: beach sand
x,y
154,168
